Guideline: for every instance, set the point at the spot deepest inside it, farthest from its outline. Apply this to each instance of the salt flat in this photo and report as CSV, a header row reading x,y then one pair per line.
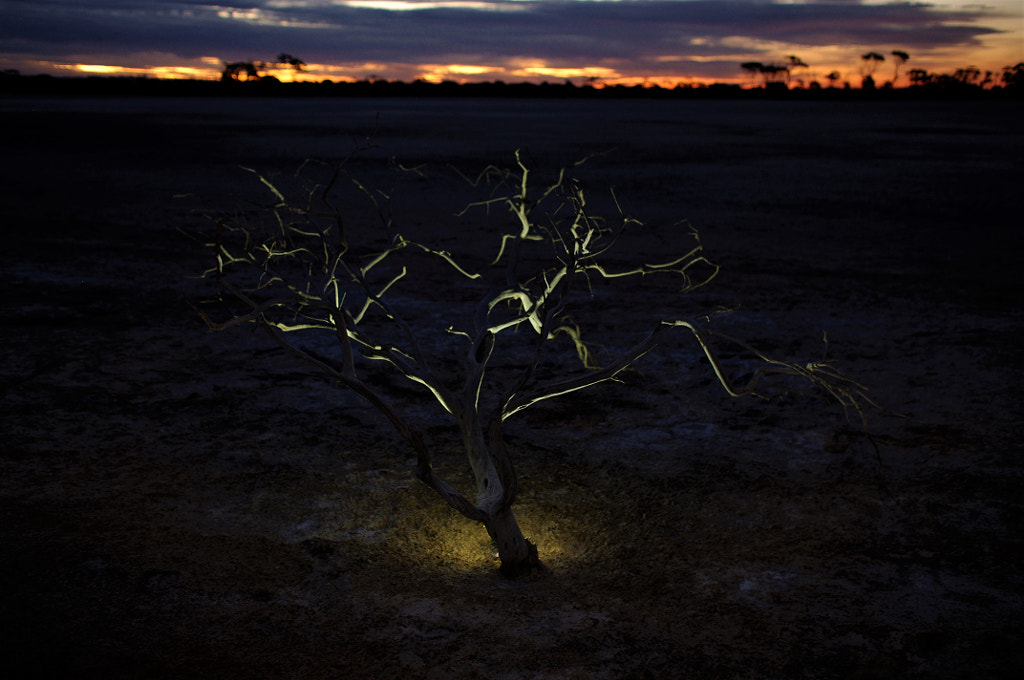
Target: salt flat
x,y
179,502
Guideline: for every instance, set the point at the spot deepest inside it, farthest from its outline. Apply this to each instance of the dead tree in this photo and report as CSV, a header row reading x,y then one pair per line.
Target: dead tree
x,y
298,275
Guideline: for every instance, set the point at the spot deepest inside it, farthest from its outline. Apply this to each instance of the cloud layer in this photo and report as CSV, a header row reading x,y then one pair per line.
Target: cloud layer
x,y
703,38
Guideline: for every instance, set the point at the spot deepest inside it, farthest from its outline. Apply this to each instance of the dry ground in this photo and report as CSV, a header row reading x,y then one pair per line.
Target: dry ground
x,y
181,504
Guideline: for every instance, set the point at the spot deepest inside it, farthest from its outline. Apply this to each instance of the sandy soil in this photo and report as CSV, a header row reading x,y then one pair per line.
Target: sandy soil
x,y
178,503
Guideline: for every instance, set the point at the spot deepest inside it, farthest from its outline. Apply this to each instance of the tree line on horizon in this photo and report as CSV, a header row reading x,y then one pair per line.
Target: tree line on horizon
x,y
787,75
252,77
773,75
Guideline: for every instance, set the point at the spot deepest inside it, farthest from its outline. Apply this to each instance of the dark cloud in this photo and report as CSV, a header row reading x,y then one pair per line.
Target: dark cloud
x,y
561,32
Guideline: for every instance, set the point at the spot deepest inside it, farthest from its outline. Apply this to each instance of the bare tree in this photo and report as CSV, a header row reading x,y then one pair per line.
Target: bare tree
x,y
328,294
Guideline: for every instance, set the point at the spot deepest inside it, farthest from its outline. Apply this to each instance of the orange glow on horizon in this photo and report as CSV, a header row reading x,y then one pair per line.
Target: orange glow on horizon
x,y
672,70
160,72
987,37
534,72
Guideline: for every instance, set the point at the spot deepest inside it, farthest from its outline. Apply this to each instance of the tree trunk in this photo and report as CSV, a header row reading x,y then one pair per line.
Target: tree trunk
x,y
518,556
496,487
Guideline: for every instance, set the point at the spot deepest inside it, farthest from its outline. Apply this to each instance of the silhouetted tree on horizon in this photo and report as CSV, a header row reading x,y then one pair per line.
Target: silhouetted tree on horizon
x,y
240,71
1013,76
967,76
900,57
288,60
772,74
795,62
754,67
871,63
244,71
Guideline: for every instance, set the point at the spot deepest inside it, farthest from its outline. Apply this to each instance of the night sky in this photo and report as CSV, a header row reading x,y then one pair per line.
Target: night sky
x,y
662,41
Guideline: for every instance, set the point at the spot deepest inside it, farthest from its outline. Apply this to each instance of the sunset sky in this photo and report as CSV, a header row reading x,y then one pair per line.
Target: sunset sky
x,y
660,41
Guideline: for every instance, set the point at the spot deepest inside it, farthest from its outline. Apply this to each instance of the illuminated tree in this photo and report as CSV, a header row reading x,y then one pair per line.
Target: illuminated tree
x,y
334,291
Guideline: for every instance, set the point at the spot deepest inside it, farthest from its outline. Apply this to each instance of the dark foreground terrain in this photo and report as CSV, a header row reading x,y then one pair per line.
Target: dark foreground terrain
x,y
183,504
